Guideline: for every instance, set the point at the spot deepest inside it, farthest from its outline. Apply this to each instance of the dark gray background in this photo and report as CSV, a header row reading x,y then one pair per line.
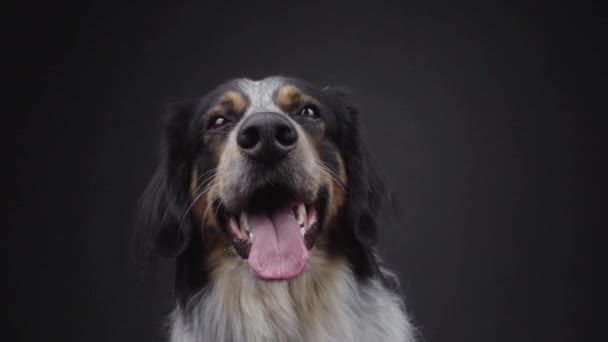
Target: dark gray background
x,y
474,112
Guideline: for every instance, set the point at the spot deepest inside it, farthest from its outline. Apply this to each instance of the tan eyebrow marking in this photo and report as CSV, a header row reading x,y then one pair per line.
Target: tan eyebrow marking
x,y
289,96
231,101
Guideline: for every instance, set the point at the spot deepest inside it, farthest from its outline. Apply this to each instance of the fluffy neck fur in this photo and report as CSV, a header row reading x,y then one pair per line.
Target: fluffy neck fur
x,y
325,303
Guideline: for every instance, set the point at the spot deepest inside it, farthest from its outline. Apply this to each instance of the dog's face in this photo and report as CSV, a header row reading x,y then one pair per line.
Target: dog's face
x,y
274,172
267,170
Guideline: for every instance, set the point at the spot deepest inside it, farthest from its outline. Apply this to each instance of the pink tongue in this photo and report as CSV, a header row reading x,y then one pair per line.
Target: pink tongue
x,y
277,250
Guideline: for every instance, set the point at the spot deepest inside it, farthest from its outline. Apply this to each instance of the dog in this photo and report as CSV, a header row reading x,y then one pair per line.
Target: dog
x,y
266,198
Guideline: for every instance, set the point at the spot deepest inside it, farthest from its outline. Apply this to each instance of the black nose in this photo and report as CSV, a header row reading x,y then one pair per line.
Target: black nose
x,y
266,137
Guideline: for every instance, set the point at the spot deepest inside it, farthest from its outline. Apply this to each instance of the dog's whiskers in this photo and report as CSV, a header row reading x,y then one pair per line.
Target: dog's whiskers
x,y
214,198
212,173
211,180
331,174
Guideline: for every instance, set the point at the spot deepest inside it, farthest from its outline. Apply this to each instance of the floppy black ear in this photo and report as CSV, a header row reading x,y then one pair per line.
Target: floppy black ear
x,y
162,225
368,197
366,190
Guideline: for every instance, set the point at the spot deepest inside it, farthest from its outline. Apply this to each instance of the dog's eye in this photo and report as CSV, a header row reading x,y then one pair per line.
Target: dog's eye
x,y
309,112
218,122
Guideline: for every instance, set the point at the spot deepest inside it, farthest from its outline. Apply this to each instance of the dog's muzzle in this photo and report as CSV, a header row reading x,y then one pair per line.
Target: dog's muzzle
x,y
269,184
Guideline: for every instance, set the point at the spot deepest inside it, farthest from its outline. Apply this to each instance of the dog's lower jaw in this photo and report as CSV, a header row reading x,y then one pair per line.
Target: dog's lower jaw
x,y
325,303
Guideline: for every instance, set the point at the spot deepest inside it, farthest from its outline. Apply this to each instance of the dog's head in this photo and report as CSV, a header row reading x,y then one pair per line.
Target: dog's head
x,y
268,170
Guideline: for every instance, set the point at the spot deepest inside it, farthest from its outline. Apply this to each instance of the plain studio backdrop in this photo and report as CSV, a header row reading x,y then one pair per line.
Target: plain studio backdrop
x,y
472,111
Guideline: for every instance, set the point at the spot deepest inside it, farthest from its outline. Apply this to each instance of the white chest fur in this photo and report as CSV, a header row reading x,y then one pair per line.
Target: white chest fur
x,y
325,303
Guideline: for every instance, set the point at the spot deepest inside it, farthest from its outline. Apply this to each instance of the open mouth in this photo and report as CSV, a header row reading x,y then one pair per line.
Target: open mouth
x,y
275,236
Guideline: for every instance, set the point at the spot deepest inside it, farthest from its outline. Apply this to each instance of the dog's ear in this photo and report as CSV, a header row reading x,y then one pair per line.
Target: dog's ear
x,y
366,190
162,225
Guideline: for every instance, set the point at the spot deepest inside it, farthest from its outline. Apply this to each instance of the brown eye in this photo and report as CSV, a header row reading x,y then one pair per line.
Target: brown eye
x,y
218,122
309,112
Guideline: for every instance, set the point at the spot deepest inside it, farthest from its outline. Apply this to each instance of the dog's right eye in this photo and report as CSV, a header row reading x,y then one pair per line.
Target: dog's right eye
x,y
309,112
218,122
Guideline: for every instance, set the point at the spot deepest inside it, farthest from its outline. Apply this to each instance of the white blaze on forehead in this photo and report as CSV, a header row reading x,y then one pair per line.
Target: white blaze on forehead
x,y
261,94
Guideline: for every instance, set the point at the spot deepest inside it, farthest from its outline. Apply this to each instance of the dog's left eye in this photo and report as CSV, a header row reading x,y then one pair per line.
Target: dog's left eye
x,y
218,122
309,112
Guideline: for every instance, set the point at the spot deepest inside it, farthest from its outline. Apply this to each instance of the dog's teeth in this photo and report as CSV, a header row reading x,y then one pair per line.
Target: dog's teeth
x,y
250,237
302,231
301,214
244,222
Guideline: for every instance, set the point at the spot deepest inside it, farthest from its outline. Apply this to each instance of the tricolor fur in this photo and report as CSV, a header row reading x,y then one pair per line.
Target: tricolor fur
x,y
254,157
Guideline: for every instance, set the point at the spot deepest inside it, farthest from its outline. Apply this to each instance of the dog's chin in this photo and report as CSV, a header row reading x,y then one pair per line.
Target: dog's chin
x,y
274,231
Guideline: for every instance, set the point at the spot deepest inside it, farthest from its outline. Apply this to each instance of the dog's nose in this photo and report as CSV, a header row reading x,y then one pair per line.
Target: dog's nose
x,y
266,137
